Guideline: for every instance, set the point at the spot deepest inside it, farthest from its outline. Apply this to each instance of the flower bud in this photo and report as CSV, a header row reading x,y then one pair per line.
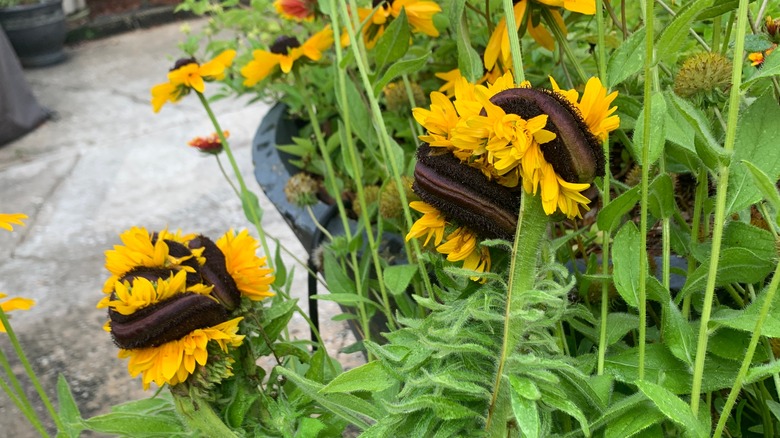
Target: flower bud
x,y
390,206
301,189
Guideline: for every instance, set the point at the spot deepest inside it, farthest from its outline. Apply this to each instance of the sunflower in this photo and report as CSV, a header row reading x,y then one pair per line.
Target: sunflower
x,y
15,303
431,224
173,362
498,45
419,13
462,245
129,298
247,269
188,75
283,53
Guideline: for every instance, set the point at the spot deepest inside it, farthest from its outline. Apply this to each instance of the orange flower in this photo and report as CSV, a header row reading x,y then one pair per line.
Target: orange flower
x,y
297,10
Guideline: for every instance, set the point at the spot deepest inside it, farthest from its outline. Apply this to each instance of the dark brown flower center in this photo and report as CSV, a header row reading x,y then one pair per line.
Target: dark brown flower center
x,y
284,44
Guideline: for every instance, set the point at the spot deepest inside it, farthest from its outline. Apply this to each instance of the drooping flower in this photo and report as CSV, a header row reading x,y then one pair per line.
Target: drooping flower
x,y
8,220
174,361
247,269
462,245
431,224
16,303
210,144
285,51
497,48
297,10
419,13
188,74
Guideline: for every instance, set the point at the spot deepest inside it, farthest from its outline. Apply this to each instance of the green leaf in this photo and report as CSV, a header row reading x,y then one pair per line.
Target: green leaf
x,y
469,61
627,59
736,265
525,387
633,421
757,43
151,417
310,427
370,377
398,277
765,184
280,270
359,116
619,324
400,68
350,408
673,407
761,372
770,67
394,42
335,277
251,206
444,408
661,197
69,410
609,216
625,256
745,319
567,406
673,35
757,134
678,334
720,8
526,412
774,408
707,146
657,130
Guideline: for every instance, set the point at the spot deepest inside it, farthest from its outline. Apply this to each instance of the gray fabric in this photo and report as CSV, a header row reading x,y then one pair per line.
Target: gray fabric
x,y
20,113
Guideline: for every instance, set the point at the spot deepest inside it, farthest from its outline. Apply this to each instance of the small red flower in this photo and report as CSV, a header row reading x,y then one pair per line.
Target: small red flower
x,y
298,10
208,145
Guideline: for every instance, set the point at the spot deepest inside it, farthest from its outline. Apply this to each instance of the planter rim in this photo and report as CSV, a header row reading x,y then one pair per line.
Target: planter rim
x,y
30,6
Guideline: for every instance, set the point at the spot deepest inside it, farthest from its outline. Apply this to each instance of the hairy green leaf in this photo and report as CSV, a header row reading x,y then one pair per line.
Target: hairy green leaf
x,y
673,35
368,377
394,42
673,408
627,59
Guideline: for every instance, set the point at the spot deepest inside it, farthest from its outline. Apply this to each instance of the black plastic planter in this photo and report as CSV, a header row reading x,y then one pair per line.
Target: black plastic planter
x,y
37,32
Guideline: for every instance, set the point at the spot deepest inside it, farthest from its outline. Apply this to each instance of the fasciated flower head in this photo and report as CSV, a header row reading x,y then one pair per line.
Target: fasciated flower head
x,y
188,74
497,48
175,361
170,294
296,10
11,304
8,220
284,53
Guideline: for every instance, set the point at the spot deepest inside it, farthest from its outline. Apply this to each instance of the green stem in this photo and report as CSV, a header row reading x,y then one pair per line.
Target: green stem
x,y
564,42
531,227
748,359
702,187
30,374
330,180
514,42
605,196
198,415
648,63
227,178
250,209
352,154
720,210
385,143
21,401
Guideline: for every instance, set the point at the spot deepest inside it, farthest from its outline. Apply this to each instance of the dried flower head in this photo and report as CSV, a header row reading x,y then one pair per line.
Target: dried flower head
x,y
704,77
210,144
301,189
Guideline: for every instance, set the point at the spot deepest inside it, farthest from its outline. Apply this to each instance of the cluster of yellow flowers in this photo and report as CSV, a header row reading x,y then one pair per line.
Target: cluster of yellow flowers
x,y
7,221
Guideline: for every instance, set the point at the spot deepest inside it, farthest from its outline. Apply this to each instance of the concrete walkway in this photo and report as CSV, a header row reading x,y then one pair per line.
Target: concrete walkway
x,y
105,163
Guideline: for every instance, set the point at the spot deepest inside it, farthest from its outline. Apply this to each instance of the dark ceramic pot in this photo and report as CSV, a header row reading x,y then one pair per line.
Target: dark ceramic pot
x,y
36,31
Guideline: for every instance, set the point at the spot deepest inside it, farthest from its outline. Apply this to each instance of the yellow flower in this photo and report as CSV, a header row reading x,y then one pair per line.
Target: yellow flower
x,y
16,303
431,224
127,298
478,261
594,107
187,74
283,53
440,120
756,59
449,78
497,48
558,194
419,13
247,269
7,220
459,245
173,362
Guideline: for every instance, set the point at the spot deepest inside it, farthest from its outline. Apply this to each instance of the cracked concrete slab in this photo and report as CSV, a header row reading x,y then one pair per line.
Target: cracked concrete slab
x,y
104,164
